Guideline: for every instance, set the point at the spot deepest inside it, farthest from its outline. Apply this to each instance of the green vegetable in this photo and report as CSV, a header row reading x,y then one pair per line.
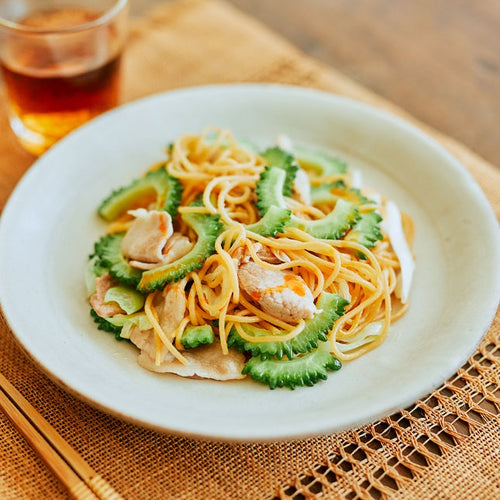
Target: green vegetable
x,y
129,300
331,192
300,371
194,336
324,164
93,270
276,157
105,325
333,226
273,222
269,189
366,231
207,227
109,251
323,193
127,322
167,190
139,319
331,308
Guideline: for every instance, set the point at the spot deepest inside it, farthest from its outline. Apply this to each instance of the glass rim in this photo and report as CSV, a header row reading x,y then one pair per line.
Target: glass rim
x,y
104,18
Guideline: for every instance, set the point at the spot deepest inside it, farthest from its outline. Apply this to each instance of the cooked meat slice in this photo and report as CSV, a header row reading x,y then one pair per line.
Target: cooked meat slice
x,y
281,294
171,307
241,256
144,340
204,362
147,236
176,247
144,266
270,255
267,254
104,309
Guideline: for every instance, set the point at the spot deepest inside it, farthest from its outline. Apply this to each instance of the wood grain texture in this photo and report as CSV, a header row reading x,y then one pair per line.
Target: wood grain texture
x,y
437,59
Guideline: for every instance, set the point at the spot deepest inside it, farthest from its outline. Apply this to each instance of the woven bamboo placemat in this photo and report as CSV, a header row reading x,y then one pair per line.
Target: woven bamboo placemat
x,y
445,446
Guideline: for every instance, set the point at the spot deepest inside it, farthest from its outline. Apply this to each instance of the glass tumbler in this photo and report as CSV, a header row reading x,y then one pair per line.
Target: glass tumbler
x,y
60,63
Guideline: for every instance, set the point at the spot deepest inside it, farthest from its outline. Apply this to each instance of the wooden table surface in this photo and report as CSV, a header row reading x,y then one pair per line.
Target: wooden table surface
x,y
438,59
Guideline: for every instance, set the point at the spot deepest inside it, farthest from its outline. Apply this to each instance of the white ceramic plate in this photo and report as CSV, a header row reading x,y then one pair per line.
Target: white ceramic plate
x,y
49,226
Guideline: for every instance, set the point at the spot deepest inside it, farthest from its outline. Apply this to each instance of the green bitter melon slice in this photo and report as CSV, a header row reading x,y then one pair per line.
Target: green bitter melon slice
x,y
109,252
331,192
333,226
207,228
195,336
273,222
106,326
320,162
331,307
277,157
366,231
304,370
166,188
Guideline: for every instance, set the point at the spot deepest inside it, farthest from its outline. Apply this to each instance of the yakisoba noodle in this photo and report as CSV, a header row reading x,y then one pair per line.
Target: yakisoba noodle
x,y
219,177
321,263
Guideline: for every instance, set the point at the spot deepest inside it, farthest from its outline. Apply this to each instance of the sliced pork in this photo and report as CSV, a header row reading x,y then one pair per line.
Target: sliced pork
x,y
280,293
104,309
147,236
203,362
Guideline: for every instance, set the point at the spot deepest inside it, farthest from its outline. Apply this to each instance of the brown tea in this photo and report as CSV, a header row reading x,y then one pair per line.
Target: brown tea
x,y
55,85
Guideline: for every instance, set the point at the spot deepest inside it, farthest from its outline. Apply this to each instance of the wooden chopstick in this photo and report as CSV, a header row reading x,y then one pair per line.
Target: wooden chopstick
x,y
77,488
82,482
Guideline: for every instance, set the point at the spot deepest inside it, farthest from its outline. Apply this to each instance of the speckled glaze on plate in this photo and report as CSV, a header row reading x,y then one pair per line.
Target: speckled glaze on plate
x,y
49,225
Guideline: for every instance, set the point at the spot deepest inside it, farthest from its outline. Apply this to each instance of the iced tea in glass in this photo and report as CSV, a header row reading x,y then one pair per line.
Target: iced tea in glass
x,y
60,63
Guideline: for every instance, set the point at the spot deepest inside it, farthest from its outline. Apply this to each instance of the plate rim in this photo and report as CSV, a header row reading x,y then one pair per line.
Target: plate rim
x,y
400,122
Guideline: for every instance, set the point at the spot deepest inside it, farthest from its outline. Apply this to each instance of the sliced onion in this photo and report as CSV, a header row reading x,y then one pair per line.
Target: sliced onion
x,y
302,186
284,142
368,334
394,229
356,179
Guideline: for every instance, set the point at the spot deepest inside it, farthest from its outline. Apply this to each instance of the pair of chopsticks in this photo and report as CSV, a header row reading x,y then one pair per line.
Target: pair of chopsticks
x,y
82,482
